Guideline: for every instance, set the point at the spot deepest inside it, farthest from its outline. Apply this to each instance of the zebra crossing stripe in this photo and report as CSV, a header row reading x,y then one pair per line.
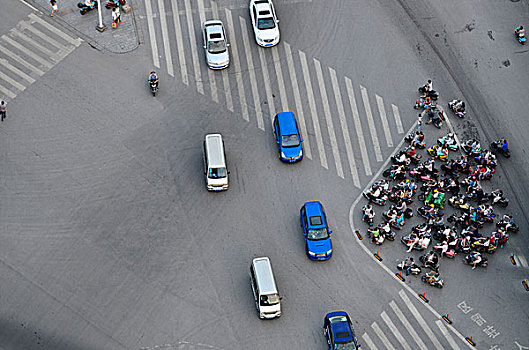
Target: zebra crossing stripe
x,y
447,335
313,110
384,119
17,71
33,43
327,112
165,37
266,80
358,126
280,81
179,42
7,92
345,128
12,81
371,123
224,73
395,331
211,74
297,100
152,34
407,325
420,320
20,60
76,42
251,71
237,64
522,260
396,115
193,43
382,336
27,26
27,52
368,341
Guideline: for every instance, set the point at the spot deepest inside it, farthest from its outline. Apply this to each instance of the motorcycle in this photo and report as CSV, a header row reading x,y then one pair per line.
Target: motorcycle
x,y
377,240
483,245
460,112
436,118
395,173
496,147
519,37
366,217
423,211
414,269
421,244
436,283
450,141
459,202
397,223
154,87
432,263
497,198
434,152
380,200
84,8
420,144
499,238
112,4
507,224
449,252
385,230
434,95
471,150
401,159
471,258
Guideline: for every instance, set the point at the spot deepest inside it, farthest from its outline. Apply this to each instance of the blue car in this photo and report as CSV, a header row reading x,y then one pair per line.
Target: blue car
x,y
339,331
316,231
288,138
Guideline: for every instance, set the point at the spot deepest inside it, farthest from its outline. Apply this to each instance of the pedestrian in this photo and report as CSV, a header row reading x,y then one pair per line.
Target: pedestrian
x,y
54,8
118,14
3,111
114,18
419,122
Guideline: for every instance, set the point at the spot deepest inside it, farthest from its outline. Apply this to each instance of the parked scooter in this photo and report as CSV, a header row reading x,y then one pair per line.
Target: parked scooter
x,y
414,269
519,33
84,8
433,279
470,259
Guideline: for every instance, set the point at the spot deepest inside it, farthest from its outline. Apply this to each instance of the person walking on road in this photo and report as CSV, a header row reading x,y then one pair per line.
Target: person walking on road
x,y
3,111
54,8
118,14
114,18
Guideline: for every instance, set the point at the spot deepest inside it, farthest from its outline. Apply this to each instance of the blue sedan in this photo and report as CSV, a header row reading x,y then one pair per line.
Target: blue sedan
x,y
288,137
316,231
339,331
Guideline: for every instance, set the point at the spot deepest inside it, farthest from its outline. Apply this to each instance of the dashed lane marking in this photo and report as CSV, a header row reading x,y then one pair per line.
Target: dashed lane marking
x,y
152,36
398,121
179,42
384,120
165,37
280,81
266,81
193,42
371,123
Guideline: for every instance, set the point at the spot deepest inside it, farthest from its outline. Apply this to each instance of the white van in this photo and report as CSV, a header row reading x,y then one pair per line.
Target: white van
x,y
215,168
267,300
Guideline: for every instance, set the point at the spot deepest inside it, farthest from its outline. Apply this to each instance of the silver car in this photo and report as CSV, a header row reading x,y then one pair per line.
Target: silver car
x,y
264,22
215,44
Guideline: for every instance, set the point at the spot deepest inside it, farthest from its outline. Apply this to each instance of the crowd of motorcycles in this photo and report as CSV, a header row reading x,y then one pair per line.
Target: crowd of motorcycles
x,y
457,182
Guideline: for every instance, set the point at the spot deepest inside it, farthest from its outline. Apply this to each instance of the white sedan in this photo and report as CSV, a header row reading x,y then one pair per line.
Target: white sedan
x,y
215,44
264,22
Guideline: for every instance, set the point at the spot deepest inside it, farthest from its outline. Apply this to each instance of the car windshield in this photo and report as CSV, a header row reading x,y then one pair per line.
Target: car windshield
x,y
270,299
266,23
350,345
317,234
290,140
217,173
218,46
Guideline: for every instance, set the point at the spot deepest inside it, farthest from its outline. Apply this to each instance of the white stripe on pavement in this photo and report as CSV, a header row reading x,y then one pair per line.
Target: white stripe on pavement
x,y
12,81
33,43
345,128
371,123
297,100
396,115
313,110
27,26
384,119
179,42
20,60
224,73
522,260
193,42
280,81
266,81
27,52
251,71
358,126
382,336
152,34
420,320
368,341
211,74
165,36
7,92
395,331
15,70
66,37
407,325
327,112
447,334
237,64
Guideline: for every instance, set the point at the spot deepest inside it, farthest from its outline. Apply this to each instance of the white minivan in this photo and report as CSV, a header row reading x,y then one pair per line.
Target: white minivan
x,y
215,169
266,296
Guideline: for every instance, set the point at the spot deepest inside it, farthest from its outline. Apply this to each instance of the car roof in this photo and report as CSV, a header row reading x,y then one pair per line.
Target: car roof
x,y
313,208
287,123
264,274
263,6
341,327
215,150
213,27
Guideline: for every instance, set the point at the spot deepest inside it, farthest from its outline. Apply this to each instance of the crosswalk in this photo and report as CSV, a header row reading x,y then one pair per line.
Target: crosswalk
x,y
405,328
28,51
333,113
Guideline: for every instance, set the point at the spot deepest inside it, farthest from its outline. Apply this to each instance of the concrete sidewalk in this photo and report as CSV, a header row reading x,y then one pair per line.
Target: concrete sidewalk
x,y
120,40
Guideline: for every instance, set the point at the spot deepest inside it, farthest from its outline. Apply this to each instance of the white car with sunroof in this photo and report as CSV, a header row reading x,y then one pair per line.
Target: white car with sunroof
x,y
264,22
215,44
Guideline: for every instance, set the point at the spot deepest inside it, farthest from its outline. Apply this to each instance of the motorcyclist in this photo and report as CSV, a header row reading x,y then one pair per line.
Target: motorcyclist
x,y
442,152
89,3
369,213
408,264
503,144
431,259
429,85
153,79
509,220
475,257
434,117
418,139
433,277
375,192
520,31
375,234
416,238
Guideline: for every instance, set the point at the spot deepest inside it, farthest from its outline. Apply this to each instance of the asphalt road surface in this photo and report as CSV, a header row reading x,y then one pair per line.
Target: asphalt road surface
x,y
110,240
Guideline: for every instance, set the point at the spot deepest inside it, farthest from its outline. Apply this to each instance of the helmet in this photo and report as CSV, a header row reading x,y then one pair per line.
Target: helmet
x,y
431,205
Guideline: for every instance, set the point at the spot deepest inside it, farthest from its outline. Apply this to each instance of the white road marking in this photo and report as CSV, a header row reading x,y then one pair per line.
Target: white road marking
x,y
31,7
15,70
447,335
12,81
407,325
395,331
165,36
27,52
266,81
371,123
27,26
193,42
251,71
33,43
384,119
382,336
237,65
211,74
328,118
313,110
152,34
297,100
20,60
345,128
420,320
358,126
66,37
368,341
280,81
522,260
7,92
179,42
224,73
396,115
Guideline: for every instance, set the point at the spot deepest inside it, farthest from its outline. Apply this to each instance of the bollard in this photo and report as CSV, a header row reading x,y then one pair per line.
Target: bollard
x,y
447,319
423,297
359,235
399,275
512,259
470,341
